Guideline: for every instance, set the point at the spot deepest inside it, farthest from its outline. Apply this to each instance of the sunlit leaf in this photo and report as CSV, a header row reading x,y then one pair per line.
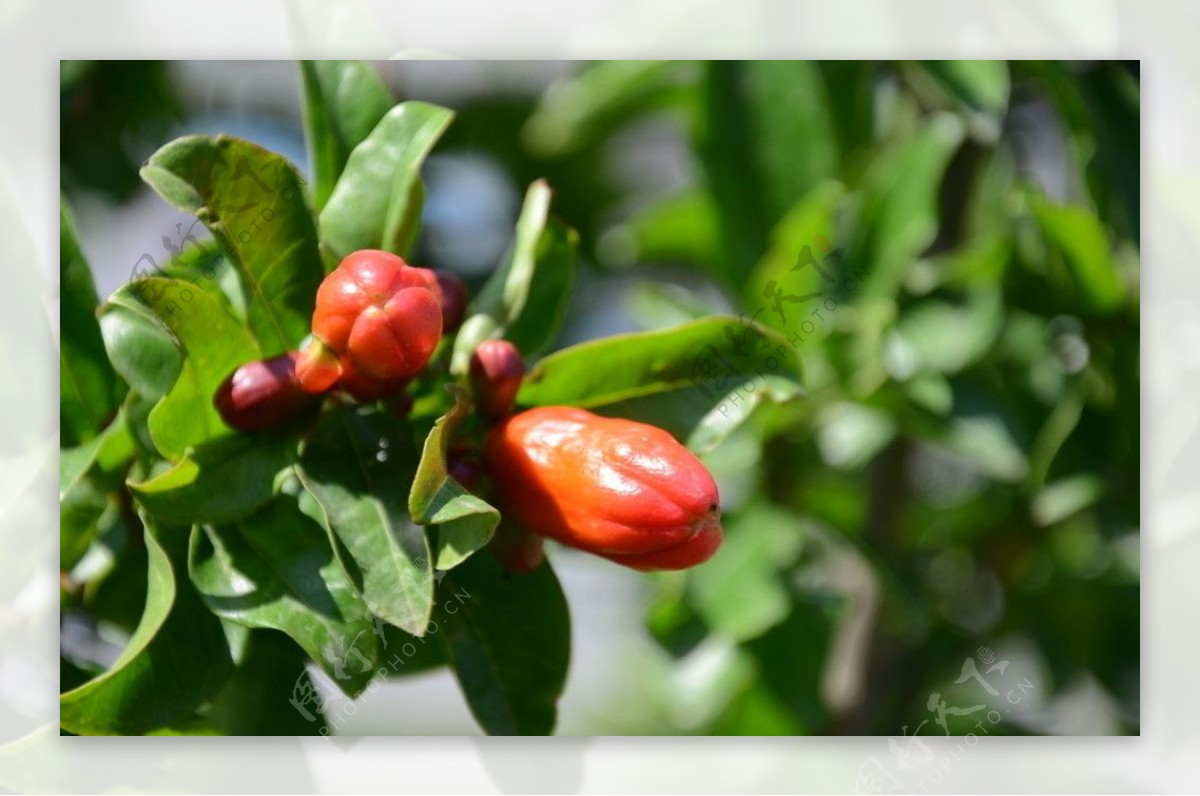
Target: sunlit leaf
x,y
343,101
509,641
253,203
276,569
356,465
464,522
376,203
176,659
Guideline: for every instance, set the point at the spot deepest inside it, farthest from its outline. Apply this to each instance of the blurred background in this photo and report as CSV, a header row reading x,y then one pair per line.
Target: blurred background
x,y
945,528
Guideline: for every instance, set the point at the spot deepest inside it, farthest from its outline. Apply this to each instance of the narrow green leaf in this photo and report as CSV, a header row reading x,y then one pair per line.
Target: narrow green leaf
x,y
277,570
464,522
91,391
585,110
538,273
979,88
357,465
508,636
221,481
765,137
899,218
109,451
712,356
786,288
212,342
376,203
1078,236
252,202
177,657
343,101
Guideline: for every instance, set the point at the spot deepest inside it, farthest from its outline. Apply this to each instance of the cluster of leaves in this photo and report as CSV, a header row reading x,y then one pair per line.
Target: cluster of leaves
x,y
969,432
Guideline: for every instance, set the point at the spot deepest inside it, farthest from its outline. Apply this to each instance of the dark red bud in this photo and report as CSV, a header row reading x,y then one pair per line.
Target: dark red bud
x,y
496,372
262,394
453,299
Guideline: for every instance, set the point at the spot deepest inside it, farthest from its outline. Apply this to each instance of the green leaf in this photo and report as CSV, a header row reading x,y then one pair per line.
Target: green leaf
x,y
1066,497
765,137
585,110
213,343
549,291
680,228
1077,235
792,658
343,101
704,420
405,654
980,88
849,435
739,593
509,638
936,336
253,203
710,356
277,570
90,390
538,273
899,217
376,203
219,482
140,349
177,657
356,466
464,522
782,273
256,699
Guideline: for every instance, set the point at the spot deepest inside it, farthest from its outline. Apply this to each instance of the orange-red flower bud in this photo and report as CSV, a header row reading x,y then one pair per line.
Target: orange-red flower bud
x,y
376,314
617,488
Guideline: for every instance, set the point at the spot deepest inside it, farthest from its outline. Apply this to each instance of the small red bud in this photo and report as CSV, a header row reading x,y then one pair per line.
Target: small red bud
x,y
453,299
262,394
496,371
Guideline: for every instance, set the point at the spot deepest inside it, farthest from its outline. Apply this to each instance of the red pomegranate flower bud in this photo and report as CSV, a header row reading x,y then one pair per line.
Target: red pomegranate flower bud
x,y
374,313
262,394
623,490
496,371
